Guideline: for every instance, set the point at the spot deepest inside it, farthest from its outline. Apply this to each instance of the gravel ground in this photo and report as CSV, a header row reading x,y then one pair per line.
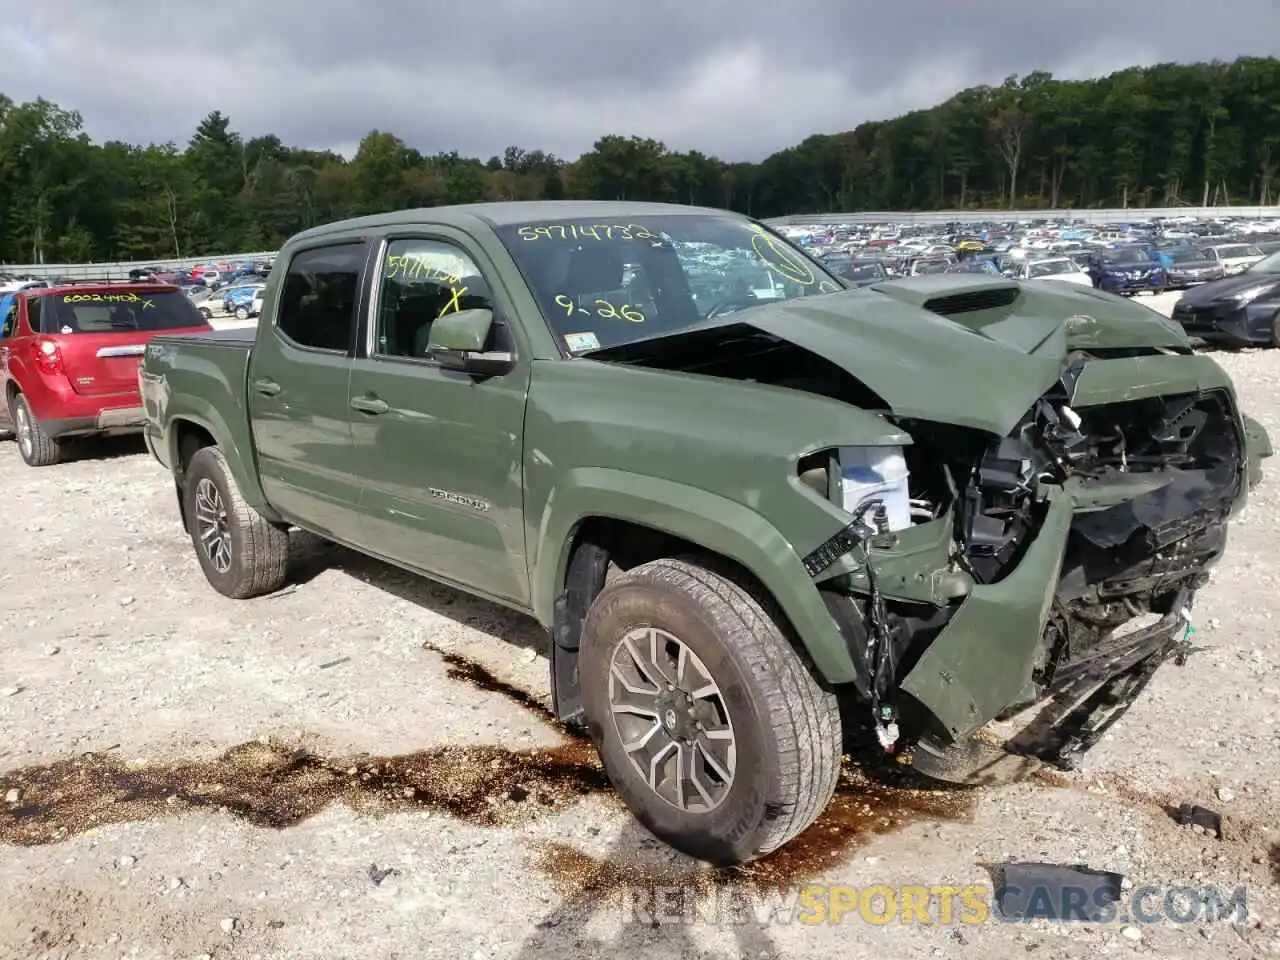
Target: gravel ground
x,y
361,766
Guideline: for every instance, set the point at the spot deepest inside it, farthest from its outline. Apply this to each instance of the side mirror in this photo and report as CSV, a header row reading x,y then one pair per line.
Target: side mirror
x,y
457,342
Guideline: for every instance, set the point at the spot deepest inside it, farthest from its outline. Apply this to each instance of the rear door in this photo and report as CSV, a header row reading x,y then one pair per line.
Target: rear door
x,y
102,332
298,379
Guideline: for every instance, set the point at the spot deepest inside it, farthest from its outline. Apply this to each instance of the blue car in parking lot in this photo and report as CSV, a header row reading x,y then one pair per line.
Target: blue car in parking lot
x,y
239,300
1127,271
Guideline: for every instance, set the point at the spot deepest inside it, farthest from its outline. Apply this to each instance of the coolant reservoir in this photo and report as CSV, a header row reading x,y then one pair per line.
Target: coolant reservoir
x,y
876,473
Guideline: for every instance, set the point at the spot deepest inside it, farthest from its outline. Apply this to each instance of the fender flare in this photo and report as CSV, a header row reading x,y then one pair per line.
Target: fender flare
x,y
714,523
207,417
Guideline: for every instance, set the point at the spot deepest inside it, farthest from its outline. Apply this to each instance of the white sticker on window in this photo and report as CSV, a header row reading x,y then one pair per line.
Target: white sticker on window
x,y
581,341
67,330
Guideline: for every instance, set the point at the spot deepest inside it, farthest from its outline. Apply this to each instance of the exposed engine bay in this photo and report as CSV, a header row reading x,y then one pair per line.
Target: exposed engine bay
x,y
1153,479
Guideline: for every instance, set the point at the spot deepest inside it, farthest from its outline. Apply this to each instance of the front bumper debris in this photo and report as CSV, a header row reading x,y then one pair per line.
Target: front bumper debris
x,y
1068,604
1012,613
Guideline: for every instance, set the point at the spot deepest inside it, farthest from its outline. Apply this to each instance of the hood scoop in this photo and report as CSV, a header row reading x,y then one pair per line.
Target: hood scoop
x,y
987,299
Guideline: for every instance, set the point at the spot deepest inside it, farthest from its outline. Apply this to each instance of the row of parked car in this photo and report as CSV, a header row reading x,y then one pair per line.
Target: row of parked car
x,y
1232,291
215,288
242,299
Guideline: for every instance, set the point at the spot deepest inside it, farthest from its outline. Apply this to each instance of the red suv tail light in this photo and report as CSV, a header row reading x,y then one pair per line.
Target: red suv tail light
x,y
47,357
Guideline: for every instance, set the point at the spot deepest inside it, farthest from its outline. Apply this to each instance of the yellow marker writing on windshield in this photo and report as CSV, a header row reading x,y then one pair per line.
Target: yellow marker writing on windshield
x,y
587,231
781,259
603,309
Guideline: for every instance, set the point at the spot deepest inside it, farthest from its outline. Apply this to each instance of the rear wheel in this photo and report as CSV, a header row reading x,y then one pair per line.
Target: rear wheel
x,y
242,313
38,449
242,554
708,724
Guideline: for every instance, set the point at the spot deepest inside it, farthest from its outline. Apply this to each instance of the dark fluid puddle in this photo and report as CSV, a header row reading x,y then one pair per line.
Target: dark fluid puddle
x,y
866,805
273,785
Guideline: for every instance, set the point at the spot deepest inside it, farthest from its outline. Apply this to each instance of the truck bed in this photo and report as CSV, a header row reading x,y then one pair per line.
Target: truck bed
x,y
236,336
199,378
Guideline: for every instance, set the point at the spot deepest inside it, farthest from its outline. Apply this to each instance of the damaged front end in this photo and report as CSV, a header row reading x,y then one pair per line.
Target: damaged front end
x,y
1070,471
1046,573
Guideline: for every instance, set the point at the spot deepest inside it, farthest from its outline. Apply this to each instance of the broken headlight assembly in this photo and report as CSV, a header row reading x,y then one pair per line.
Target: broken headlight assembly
x,y
870,483
865,481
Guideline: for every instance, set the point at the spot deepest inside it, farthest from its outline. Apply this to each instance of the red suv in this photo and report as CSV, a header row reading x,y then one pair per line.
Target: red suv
x,y
69,359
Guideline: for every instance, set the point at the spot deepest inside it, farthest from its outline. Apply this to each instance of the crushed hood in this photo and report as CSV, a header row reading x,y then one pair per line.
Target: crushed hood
x,y
981,367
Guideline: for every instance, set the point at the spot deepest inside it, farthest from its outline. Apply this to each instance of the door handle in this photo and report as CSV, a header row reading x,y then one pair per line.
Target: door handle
x,y
369,405
268,387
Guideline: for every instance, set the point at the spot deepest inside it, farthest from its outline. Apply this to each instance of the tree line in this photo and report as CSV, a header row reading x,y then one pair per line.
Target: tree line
x,y
1166,135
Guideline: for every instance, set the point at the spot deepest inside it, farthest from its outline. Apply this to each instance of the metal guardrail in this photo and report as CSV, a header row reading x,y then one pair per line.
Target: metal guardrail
x,y
120,270
1115,215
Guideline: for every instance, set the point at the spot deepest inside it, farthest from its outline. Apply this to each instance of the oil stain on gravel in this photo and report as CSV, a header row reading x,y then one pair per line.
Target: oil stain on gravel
x,y
272,785
863,807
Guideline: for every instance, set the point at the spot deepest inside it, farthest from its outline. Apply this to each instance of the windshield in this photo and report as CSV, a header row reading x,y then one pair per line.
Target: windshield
x,y
110,312
858,270
1269,264
1129,256
1188,255
604,284
1047,268
1231,253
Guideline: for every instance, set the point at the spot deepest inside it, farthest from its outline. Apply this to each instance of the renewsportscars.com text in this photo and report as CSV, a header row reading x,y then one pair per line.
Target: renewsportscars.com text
x,y
921,904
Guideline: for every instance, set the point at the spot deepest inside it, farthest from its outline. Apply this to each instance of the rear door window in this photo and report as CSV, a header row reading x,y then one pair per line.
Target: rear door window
x,y
317,300
123,312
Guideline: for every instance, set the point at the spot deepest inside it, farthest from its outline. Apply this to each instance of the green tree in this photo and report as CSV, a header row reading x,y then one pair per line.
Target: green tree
x,y
1168,134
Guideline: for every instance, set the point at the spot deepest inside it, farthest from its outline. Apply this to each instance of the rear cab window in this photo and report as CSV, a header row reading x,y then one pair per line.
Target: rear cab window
x,y
113,311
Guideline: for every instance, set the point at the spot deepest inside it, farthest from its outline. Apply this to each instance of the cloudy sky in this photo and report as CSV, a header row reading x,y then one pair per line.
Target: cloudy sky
x,y
738,79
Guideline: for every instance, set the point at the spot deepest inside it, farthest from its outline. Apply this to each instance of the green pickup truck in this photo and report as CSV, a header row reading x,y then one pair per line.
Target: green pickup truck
x,y
760,522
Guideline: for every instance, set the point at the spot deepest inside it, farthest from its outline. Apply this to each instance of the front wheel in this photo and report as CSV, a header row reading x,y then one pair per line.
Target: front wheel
x,y
242,554
707,722
242,313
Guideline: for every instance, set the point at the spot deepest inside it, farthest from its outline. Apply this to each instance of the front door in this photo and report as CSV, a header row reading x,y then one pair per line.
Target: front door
x,y
441,451
298,379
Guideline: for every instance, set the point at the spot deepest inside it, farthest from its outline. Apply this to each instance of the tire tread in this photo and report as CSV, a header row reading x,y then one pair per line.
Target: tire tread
x,y
45,451
805,718
262,563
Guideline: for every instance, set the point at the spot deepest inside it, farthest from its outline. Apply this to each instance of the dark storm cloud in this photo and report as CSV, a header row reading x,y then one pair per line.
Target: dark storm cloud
x,y
738,79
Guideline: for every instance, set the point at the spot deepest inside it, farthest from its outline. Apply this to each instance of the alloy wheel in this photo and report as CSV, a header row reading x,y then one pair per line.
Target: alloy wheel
x,y
672,720
22,421
212,525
